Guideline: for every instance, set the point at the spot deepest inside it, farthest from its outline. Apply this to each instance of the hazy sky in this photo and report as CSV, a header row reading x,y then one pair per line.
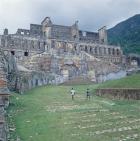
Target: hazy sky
x,y
91,14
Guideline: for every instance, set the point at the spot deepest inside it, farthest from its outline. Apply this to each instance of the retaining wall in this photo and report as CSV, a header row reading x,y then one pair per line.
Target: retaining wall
x,y
119,93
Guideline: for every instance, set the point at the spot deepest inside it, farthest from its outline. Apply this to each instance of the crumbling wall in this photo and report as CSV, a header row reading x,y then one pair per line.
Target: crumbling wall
x,y
90,37
36,30
21,45
4,97
103,35
23,32
29,80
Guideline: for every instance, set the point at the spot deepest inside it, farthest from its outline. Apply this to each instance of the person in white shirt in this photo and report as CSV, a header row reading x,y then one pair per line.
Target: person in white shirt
x,y
72,93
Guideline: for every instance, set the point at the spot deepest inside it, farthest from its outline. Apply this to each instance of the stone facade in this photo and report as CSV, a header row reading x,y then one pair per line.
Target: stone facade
x,y
52,54
46,36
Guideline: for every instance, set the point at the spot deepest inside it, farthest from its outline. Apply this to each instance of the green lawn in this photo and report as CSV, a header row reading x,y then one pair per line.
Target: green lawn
x,y
49,114
132,81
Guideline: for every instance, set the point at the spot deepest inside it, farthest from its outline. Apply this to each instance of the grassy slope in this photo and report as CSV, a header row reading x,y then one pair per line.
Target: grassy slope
x,y
49,114
127,82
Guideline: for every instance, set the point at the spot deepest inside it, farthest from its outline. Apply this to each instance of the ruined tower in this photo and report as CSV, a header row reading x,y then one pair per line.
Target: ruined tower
x,y
5,31
75,31
46,27
103,35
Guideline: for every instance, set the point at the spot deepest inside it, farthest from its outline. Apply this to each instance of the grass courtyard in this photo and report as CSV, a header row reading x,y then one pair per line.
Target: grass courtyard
x,y
49,114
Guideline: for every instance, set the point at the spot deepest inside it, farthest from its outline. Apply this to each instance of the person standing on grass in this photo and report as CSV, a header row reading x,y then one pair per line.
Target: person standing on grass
x,y
88,94
72,93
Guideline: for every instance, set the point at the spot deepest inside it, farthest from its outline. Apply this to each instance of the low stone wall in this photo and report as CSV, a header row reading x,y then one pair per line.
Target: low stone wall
x,y
119,93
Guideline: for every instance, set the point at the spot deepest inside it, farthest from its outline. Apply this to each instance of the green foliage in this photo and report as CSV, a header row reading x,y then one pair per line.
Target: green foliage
x,y
127,35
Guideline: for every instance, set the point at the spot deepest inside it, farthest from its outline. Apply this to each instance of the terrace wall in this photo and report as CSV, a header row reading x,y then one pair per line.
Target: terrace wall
x,y
119,93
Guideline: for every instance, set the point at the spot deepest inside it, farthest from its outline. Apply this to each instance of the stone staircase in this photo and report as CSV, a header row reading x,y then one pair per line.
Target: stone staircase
x,y
34,62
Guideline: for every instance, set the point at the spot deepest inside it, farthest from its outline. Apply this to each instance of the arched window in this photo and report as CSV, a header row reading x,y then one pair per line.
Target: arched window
x,y
91,50
118,52
100,50
86,49
32,44
104,50
95,50
109,51
3,42
25,44
113,51
75,47
38,44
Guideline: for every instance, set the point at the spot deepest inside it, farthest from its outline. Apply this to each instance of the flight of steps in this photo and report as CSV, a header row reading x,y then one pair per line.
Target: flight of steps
x,y
34,62
100,65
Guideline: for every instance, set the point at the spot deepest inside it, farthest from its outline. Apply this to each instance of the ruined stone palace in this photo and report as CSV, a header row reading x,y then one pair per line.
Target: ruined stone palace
x,y
52,54
47,36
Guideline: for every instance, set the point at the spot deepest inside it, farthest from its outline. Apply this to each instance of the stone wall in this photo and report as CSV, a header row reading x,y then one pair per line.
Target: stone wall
x,y
43,37
21,45
25,32
4,98
36,30
104,52
57,50
61,32
29,80
103,35
89,37
119,93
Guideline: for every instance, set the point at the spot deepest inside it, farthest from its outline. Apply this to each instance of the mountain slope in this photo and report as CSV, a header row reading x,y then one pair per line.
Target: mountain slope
x,y
127,35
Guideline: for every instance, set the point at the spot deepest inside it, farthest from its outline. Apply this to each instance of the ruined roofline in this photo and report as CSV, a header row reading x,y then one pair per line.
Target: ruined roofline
x,y
29,28
58,25
28,37
23,29
104,27
45,19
